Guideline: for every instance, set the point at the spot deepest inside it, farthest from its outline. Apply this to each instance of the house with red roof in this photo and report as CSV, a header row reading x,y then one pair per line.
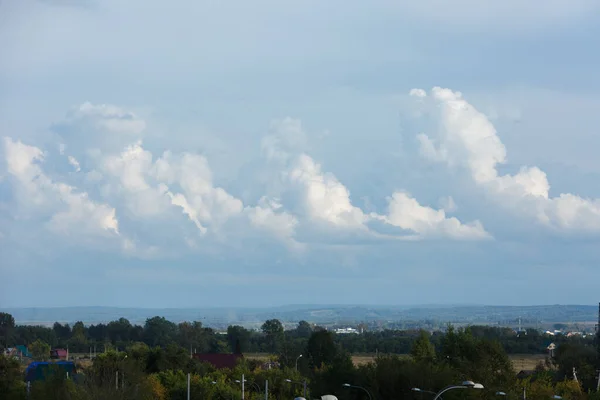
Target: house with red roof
x,y
60,354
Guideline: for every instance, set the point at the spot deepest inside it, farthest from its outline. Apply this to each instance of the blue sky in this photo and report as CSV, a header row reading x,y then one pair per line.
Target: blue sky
x,y
200,153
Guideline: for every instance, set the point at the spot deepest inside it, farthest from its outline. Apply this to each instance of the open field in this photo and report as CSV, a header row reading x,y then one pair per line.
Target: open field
x,y
520,361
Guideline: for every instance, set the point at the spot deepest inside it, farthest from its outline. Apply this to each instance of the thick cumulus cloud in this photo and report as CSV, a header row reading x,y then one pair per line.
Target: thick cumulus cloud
x,y
70,210
466,138
116,186
325,200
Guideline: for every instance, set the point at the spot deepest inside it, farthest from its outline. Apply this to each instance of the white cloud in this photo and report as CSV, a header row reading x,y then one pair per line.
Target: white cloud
x,y
92,130
71,211
107,118
405,212
326,199
73,161
468,139
270,216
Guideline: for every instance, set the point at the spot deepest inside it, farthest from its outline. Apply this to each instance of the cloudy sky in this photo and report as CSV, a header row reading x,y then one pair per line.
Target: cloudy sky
x,y
234,153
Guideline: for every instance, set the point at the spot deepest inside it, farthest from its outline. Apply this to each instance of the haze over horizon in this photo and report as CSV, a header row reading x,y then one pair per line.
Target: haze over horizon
x,y
160,154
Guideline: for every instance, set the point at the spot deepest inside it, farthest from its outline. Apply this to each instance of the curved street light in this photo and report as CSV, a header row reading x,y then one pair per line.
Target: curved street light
x,y
464,385
303,383
358,387
297,358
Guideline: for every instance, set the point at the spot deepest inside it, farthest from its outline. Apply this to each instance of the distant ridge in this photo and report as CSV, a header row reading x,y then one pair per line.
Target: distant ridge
x,y
317,313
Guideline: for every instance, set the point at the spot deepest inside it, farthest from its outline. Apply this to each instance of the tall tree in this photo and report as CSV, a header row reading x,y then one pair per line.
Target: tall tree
x,y
304,329
321,349
159,332
238,335
11,379
273,330
40,351
63,333
422,349
119,330
7,326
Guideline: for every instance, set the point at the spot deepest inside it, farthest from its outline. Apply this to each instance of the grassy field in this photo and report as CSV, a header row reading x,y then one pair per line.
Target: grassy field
x,y
520,361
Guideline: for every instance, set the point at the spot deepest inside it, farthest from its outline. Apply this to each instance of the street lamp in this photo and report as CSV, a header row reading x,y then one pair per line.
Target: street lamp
x,y
464,385
500,394
303,383
358,387
297,358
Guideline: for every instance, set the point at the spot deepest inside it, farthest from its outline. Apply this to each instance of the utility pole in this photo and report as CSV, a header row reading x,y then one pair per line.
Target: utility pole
x,y
243,380
188,386
267,388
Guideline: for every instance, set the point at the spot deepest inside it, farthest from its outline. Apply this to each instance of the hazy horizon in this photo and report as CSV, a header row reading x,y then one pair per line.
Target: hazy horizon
x,y
164,154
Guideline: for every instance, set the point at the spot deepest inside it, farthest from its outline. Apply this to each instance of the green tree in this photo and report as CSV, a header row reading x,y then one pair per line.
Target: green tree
x,y
159,332
7,326
238,335
12,386
119,330
78,341
273,331
321,349
40,351
422,349
62,332
303,330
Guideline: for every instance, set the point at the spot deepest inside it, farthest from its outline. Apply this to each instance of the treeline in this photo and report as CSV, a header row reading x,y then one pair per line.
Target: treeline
x,y
160,373
158,331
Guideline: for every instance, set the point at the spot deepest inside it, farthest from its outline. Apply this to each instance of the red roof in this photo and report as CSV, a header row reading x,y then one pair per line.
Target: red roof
x,y
58,353
219,361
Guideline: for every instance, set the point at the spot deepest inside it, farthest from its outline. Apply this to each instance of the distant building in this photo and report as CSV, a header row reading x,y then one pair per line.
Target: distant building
x,y
18,351
551,348
344,331
59,354
219,361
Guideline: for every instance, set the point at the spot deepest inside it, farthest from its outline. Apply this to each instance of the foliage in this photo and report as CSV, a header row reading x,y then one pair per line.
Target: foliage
x,y
273,331
40,351
152,362
12,385
422,349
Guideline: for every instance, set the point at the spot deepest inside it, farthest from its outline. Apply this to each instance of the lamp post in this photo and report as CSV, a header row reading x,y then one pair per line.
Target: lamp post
x,y
358,387
303,383
242,382
464,385
297,358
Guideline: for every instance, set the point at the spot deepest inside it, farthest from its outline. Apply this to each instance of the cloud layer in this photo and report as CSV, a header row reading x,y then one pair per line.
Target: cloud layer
x,y
466,138
103,144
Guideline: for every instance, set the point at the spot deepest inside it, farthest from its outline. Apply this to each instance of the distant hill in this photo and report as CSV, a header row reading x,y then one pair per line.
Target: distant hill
x,y
321,314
